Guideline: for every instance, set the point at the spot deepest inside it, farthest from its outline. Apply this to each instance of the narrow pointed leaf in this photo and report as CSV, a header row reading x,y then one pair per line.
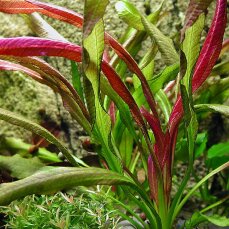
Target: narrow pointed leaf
x,y
159,136
128,13
157,83
21,47
49,76
35,128
201,182
126,148
41,28
212,46
191,48
93,12
195,8
56,179
133,66
32,46
124,93
207,58
77,20
6,65
165,44
58,12
20,167
223,109
76,80
93,46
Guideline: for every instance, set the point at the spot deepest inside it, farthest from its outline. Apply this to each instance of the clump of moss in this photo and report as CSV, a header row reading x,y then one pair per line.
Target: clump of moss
x,y
61,211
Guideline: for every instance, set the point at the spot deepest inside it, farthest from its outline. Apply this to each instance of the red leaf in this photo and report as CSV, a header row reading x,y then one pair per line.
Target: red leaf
x,y
133,66
17,7
28,7
195,8
212,46
207,58
159,135
122,53
52,76
111,112
77,20
45,47
153,180
124,93
32,46
8,66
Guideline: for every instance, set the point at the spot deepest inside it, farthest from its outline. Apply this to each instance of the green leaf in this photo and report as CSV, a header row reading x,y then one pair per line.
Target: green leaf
x,y
218,150
93,12
191,47
165,44
201,144
129,14
221,69
76,80
195,8
35,128
217,155
221,221
124,110
223,109
41,27
126,147
56,179
164,104
20,167
157,83
197,218
93,44
147,66
15,145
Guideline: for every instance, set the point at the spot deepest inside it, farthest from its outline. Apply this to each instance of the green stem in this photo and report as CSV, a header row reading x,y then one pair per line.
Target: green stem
x,y
214,204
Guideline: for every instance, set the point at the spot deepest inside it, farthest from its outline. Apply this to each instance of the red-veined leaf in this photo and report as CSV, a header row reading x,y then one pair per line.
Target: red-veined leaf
x,y
45,47
133,66
212,46
71,17
195,8
45,74
159,136
32,46
122,53
207,58
28,7
8,66
28,46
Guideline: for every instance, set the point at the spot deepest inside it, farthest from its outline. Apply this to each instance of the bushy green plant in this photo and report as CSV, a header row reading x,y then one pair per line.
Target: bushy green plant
x,y
123,121
71,210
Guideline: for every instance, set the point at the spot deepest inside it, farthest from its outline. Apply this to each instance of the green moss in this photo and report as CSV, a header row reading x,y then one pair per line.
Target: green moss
x,y
61,211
